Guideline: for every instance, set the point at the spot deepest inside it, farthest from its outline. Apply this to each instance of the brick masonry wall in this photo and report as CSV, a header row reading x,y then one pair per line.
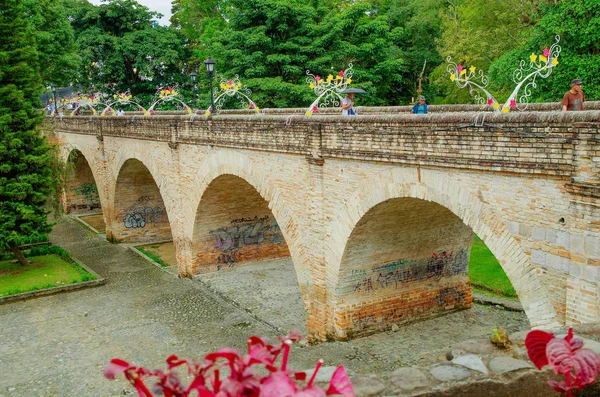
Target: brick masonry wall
x,y
234,226
81,193
403,250
140,213
527,184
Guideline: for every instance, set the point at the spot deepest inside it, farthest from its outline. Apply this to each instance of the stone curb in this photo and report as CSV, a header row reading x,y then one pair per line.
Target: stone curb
x,y
55,290
507,304
77,218
133,248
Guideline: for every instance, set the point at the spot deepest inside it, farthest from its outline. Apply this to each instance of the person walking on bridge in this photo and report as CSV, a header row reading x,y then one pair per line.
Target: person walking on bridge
x,y
574,98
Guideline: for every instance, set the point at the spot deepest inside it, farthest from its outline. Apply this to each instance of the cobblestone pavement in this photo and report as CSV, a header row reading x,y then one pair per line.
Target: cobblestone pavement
x,y
58,345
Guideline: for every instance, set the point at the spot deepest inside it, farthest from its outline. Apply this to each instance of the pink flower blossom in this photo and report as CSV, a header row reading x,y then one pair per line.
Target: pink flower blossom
x,y
546,52
317,78
459,68
513,104
315,108
490,101
341,73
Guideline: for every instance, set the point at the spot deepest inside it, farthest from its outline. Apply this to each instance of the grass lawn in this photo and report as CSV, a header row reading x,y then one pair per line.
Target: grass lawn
x,y
486,273
152,253
45,271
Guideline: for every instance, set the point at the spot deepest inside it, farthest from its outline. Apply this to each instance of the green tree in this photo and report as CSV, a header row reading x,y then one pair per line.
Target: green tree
x,y
27,175
578,24
477,32
54,37
122,48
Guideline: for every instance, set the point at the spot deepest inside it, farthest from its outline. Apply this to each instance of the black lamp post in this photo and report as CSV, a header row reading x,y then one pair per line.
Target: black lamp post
x,y
193,77
53,88
210,69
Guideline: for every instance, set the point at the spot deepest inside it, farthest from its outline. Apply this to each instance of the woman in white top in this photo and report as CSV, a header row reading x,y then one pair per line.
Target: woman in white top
x,y
347,104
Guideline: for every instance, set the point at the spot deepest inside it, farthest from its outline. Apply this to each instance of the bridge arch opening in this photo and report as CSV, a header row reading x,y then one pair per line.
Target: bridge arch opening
x,y
239,248
406,259
81,191
139,211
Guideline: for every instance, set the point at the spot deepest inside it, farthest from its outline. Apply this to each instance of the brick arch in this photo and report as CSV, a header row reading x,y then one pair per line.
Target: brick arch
x,y
238,164
89,157
434,187
167,186
142,206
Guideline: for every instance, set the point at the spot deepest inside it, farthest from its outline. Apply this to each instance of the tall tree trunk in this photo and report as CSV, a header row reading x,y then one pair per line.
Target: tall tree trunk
x,y
17,251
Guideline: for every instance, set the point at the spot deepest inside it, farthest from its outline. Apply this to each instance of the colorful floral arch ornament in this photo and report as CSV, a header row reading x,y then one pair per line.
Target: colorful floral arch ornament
x,y
328,90
230,88
524,77
91,101
123,99
167,95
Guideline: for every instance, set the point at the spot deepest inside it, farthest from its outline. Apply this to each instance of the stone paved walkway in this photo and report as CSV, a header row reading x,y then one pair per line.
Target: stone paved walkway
x,y
58,345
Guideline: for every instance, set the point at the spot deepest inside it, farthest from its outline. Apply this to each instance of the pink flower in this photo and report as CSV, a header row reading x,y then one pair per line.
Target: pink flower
x,y
230,82
151,111
490,101
546,52
459,68
341,73
513,104
317,78
315,108
251,105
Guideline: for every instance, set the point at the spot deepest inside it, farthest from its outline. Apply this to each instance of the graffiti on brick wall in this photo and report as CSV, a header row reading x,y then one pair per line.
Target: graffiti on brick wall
x,y
138,216
400,273
91,200
449,297
243,233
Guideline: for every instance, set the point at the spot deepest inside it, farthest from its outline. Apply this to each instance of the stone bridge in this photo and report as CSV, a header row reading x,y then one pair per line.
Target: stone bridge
x,y
377,212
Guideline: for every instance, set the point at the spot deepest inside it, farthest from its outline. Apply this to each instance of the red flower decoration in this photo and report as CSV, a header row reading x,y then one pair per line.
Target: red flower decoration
x,y
341,73
317,78
546,52
513,104
459,68
490,101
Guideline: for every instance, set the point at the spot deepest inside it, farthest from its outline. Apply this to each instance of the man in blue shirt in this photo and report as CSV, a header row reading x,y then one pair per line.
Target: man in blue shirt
x,y
421,107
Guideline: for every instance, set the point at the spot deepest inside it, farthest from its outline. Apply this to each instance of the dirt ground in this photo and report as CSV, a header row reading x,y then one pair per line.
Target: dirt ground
x,y
166,252
96,221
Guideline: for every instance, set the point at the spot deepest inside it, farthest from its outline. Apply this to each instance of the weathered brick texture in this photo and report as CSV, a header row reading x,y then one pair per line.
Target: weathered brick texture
x,y
526,183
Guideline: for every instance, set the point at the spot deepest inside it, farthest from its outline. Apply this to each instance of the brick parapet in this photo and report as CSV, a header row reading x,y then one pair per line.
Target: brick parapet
x,y
538,143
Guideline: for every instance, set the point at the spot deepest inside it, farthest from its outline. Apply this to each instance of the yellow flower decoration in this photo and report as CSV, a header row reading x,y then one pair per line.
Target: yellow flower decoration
x,y
348,81
472,69
554,61
312,85
543,59
329,78
146,114
505,109
453,77
319,82
532,57
257,108
175,93
496,105
207,113
309,113
464,71
338,77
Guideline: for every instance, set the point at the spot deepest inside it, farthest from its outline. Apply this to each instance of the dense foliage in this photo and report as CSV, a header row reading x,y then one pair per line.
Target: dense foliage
x,y
27,172
393,45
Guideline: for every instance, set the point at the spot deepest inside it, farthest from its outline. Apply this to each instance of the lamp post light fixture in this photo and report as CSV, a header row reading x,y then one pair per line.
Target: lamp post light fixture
x,y
210,69
53,88
193,77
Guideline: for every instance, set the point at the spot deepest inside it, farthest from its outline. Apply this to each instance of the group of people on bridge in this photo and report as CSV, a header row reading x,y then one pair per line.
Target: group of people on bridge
x,y
572,101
